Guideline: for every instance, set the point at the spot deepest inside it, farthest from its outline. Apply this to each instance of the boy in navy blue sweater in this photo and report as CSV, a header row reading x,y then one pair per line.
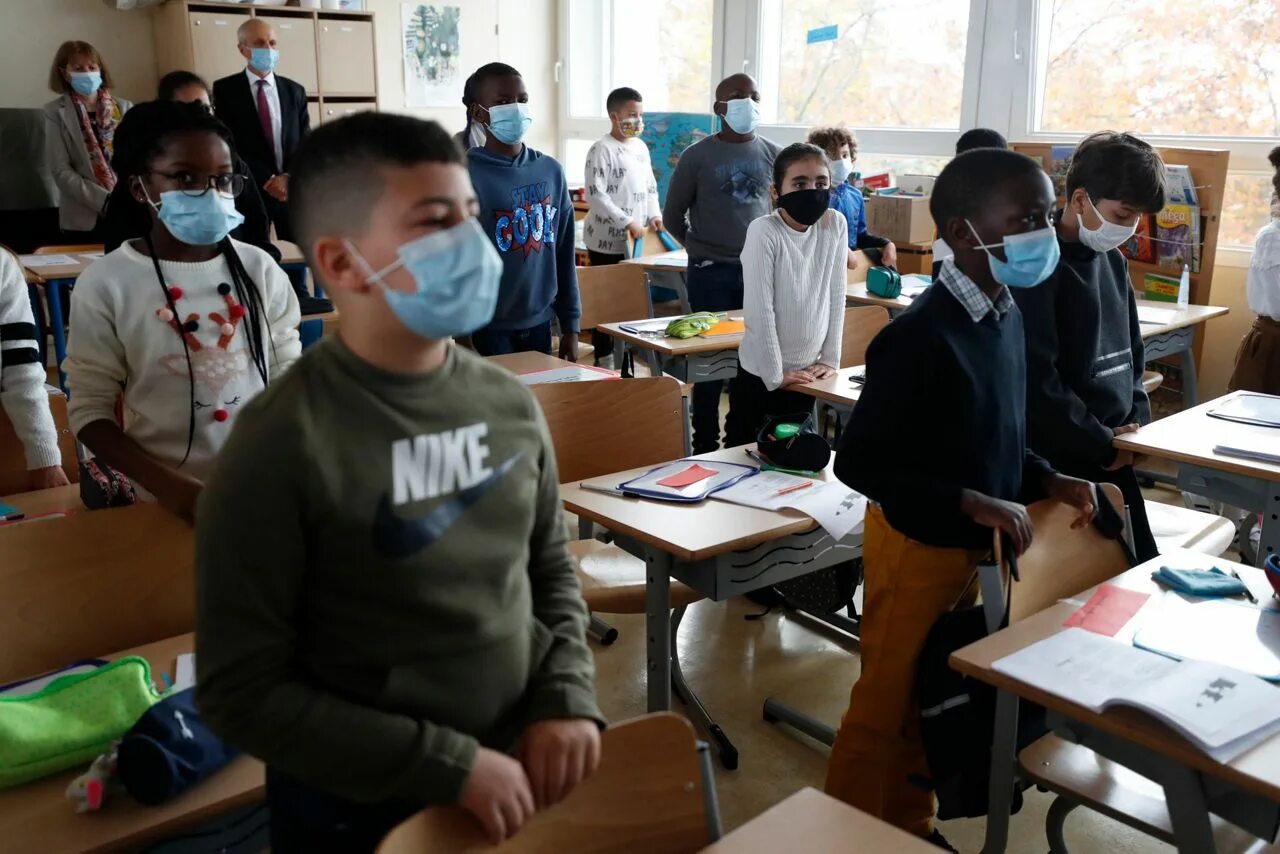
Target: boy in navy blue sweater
x,y
938,443
1085,357
526,209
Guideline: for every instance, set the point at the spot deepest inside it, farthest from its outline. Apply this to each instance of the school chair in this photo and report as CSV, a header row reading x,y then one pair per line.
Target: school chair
x,y
603,427
14,476
90,583
652,794
1176,527
1151,380
612,294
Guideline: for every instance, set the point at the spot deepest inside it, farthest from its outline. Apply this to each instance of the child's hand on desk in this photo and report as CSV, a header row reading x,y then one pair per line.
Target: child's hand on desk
x,y
1007,516
558,755
1074,492
497,793
820,371
889,255
801,377
1124,458
48,478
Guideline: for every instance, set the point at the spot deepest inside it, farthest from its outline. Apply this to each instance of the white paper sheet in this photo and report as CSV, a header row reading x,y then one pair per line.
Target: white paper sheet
x,y
570,374
679,259
838,509
1156,316
1227,631
34,261
185,672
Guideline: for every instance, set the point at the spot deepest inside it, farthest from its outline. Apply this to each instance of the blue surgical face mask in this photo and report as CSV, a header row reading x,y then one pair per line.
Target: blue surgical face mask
x,y
742,115
264,59
1031,257
841,170
86,83
509,122
197,220
457,272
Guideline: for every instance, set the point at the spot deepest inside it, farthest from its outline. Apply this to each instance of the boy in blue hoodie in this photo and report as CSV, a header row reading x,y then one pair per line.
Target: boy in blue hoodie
x,y
526,210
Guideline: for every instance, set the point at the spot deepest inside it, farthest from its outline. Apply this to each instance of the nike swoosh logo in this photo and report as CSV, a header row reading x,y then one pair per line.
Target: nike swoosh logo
x,y
394,537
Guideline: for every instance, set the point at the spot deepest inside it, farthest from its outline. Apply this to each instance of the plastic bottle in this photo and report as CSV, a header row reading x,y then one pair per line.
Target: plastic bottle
x,y
1184,287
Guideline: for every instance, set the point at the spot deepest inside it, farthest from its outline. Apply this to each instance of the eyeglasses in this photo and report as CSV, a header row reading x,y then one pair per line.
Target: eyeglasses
x,y
191,184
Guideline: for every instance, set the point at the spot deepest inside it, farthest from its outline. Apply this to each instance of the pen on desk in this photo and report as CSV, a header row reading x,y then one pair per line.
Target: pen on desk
x,y
794,488
1248,594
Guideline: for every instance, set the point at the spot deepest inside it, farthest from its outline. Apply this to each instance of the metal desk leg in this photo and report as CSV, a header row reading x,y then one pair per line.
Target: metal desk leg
x,y
1004,746
53,298
1188,812
1190,389
710,800
657,626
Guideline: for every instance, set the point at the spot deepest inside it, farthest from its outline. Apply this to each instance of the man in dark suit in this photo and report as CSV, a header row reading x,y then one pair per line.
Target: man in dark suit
x,y
267,115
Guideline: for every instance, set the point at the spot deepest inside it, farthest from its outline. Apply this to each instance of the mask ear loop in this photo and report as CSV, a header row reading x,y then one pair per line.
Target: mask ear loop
x,y
370,275
985,247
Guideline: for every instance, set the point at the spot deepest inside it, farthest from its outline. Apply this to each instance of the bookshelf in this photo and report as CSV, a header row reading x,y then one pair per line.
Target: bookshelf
x,y
1209,171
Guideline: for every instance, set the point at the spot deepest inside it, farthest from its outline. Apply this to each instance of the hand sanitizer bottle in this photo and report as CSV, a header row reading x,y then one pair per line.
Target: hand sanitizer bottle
x,y
1184,287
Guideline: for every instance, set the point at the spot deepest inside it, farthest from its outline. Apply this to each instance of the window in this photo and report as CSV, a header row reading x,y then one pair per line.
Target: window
x,y
864,63
1246,207
660,47
1206,69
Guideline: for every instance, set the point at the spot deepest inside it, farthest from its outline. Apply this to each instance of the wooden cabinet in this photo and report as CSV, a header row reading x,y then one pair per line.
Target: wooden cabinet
x,y
347,56
337,109
329,53
296,39
214,47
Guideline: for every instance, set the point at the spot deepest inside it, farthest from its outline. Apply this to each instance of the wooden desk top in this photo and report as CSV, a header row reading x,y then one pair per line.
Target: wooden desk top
x,y
289,252
38,817
662,261
61,271
524,363
687,531
1191,435
835,389
1256,771
858,294
812,821
42,501
1183,317
674,347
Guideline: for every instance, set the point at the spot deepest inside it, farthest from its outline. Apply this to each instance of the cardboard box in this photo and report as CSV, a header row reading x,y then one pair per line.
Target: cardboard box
x,y
902,219
912,260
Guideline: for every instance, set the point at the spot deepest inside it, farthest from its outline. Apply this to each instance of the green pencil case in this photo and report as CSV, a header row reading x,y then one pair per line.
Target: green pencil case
x,y
72,720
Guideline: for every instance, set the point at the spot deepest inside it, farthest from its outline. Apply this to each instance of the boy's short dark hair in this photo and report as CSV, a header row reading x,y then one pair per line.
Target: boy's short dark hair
x,y
1120,167
337,178
485,73
175,80
968,182
980,138
620,96
831,138
794,153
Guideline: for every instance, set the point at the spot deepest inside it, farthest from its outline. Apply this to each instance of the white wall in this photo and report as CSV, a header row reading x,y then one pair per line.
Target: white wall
x,y
33,29
521,33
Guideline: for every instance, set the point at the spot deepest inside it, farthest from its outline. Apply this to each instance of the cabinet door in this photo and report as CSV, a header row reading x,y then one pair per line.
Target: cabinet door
x,y
296,39
346,57
313,110
215,44
336,111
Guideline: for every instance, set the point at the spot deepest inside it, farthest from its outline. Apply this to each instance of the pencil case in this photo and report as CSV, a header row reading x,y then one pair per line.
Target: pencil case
x,y
169,750
71,720
884,282
804,450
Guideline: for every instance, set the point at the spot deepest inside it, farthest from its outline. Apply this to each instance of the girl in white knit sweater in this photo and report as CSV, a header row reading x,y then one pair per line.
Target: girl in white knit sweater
x,y
181,325
793,270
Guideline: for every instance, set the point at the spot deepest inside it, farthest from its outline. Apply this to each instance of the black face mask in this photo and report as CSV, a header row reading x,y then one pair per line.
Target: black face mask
x,y
806,206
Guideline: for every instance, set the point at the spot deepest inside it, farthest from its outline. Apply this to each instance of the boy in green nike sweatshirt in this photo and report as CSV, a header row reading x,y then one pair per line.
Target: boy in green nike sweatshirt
x,y
385,605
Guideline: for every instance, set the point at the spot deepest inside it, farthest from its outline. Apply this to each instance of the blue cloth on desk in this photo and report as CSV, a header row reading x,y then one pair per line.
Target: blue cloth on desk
x,y
1199,582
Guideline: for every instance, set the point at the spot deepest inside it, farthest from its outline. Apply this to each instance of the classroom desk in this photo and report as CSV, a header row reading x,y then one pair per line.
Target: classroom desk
x,y
691,360
526,363
667,270
1246,790
42,502
813,822
838,389
1189,437
856,293
719,549
37,816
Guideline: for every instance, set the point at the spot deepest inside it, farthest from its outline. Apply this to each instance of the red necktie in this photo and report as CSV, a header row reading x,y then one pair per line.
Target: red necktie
x,y
264,117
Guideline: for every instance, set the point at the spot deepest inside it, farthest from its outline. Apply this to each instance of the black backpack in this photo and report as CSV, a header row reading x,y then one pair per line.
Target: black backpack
x,y
957,712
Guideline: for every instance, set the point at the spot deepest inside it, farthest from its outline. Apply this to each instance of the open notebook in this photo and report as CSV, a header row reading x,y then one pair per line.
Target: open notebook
x,y
1220,710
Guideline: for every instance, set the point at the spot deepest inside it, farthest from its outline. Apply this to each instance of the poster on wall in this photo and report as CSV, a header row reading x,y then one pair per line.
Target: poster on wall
x,y
432,60
668,135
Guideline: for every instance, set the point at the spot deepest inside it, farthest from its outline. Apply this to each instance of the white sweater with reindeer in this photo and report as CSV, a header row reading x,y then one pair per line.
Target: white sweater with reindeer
x,y
125,345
